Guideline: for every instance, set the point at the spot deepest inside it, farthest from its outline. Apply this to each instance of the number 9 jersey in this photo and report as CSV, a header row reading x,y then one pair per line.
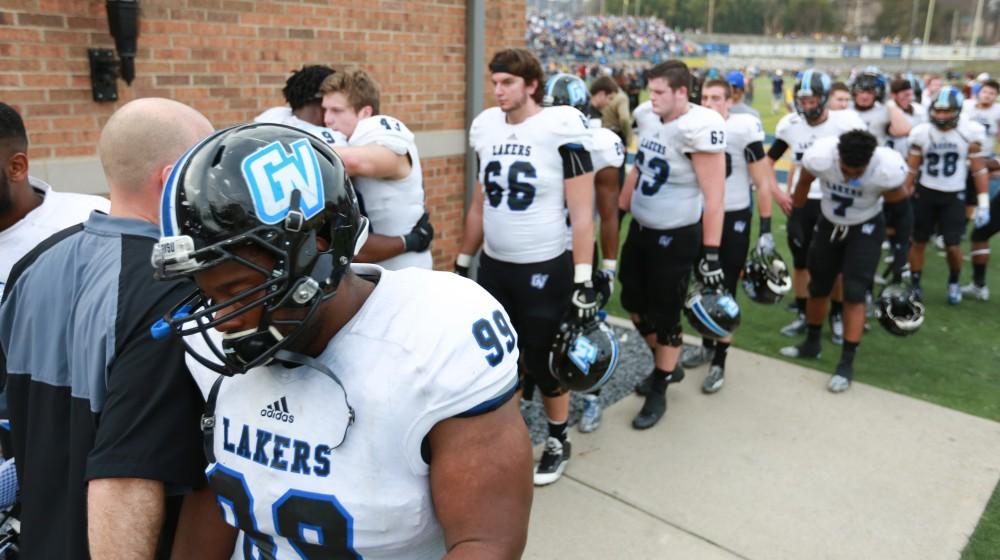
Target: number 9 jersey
x,y
522,174
667,195
945,153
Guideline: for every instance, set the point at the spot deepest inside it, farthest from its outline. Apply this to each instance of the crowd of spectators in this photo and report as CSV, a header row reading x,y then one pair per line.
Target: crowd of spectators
x,y
604,38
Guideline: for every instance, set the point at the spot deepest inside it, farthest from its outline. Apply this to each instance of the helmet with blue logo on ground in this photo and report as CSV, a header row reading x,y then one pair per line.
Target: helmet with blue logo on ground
x,y
714,313
272,191
898,310
765,277
584,355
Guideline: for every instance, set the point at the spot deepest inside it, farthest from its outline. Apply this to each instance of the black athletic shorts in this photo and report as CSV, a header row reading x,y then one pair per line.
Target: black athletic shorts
x,y
810,214
989,230
937,211
735,246
970,190
854,251
654,272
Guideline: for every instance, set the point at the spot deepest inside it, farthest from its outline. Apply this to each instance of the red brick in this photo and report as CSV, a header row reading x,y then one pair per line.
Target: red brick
x,y
41,20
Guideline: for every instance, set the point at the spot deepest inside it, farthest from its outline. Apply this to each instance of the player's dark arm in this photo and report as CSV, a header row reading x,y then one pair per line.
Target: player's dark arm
x,y
124,517
481,483
801,193
201,530
606,183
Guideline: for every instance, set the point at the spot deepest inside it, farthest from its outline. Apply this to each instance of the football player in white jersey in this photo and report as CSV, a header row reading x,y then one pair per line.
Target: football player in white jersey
x,y
984,110
745,167
855,174
811,121
382,160
534,163
360,412
304,110
939,151
675,193
840,97
884,121
914,113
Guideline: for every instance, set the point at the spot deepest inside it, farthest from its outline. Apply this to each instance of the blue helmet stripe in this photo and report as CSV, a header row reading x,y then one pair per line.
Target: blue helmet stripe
x,y
943,97
807,82
706,319
614,362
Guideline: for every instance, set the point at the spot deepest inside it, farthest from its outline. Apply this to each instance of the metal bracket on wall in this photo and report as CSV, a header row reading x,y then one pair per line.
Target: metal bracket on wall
x,y
103,74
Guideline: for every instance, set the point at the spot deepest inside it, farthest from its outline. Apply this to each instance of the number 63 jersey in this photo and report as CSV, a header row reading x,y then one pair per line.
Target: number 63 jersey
x,y
521,171
945,152
282,475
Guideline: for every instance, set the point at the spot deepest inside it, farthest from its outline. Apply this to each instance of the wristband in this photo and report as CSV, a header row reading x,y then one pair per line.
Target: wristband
x,y
711,253
609,264
583,273
983,200
765,225
463,260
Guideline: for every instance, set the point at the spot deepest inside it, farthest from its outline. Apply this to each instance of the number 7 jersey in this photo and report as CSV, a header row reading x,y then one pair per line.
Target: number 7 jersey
x,y
521,171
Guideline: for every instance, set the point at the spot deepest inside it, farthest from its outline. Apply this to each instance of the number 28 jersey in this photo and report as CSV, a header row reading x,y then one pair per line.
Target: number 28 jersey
x,y
521,172
281,477
945,151
667,195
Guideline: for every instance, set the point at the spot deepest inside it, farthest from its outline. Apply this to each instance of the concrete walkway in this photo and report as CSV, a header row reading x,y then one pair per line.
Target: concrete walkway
x,y
772,467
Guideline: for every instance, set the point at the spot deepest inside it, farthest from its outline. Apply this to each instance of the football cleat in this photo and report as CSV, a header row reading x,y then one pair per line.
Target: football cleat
x,y
837,328
694,356
981,293
590,420
714,380
553,462
796,327
643,387
954,294
654,407
804,350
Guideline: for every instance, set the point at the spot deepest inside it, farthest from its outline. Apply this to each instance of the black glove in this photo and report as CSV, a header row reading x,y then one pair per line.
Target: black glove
x,y
462,271
710,268
419,238
584,300
796,232
604,285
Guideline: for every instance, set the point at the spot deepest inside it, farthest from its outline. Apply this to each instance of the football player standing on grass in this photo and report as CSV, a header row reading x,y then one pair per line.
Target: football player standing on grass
x,y
361,412
679,177
984,110
941,153
745,167
811,121
884,121
855,174
534,163
381,158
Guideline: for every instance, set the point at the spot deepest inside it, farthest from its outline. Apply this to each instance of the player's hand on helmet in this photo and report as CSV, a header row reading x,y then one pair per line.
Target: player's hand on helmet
x,y
982,216
796,231
604,284
710,268
584,300
419,238
765,244
462,263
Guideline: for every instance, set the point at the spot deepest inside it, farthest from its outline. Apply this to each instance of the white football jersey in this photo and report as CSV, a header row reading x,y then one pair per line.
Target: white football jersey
x,y
667,195
521,173
877,120
279,474
607,150
742,129
988,117
944,163
793,130
392,205
57,211
901,144
856,201
283,115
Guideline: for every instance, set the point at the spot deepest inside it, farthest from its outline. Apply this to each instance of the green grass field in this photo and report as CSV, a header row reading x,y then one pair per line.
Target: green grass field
x,y
954,360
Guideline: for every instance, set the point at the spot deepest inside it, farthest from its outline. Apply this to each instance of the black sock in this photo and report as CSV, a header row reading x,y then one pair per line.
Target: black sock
x,y
915,277
708,343
979,274
836,308
812,334
800,302
721,349
558,431
953,276
847,354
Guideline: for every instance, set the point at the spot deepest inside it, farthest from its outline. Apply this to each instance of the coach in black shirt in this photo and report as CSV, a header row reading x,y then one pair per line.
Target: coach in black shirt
x,y
104,419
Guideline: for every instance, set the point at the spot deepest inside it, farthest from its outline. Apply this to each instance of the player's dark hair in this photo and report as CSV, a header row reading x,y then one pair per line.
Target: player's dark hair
x,y
900,85
727,88
302,87
13,136
992,84
605,84
856,147
839,86
522,63
676,73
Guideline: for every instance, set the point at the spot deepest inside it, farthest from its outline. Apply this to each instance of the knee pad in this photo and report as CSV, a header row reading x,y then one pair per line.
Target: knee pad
x,y
536,360
644,325
670,336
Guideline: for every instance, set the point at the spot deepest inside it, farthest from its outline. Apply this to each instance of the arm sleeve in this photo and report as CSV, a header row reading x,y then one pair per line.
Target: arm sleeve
x,y
754,151
576,160
777,149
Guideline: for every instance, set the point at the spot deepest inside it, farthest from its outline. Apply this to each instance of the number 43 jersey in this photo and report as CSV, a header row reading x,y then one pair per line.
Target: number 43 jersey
x,y
406,363
521,171
667,194
945,152
852,202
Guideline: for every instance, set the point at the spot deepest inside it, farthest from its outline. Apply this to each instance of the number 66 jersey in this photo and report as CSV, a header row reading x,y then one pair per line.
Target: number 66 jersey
x,y
299,482
522,173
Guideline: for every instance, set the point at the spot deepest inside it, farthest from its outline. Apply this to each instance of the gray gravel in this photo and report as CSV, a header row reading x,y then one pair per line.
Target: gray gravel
x,y
635,361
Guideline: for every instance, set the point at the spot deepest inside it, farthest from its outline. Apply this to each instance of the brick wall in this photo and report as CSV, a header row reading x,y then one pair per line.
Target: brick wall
x,y
230,58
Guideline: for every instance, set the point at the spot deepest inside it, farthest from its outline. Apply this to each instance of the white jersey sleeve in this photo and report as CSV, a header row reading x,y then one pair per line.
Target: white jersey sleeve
x,y
607,150
919,136
975,132
702,131
742,130
569,127
383,130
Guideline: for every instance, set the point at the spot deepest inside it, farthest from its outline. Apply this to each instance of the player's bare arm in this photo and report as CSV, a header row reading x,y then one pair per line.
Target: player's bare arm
x,y
481,483
913,161
625,197
124,517
201,530
374,161
606,184
898,123
710,168
580,202
783,199
801,193
472,236
763,178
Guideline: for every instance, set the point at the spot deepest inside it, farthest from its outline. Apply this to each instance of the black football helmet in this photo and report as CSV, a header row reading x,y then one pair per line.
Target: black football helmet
x,y
583,355
869,81
566,89
898,310
765,277
714,313
948,99
812,83
269,188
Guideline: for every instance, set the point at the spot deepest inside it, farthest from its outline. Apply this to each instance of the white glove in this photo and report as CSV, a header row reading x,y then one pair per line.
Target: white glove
x,y
982,216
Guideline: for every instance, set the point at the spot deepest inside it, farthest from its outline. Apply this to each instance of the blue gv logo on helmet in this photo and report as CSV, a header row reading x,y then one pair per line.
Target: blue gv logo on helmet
x,y
271,174
583,353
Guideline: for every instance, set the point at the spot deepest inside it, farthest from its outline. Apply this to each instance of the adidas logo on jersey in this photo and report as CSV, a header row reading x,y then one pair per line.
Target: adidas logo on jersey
x,y
278,410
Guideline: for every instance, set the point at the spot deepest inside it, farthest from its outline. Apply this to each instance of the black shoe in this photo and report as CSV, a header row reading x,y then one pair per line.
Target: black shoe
x,y
804,350
642,388
653,409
